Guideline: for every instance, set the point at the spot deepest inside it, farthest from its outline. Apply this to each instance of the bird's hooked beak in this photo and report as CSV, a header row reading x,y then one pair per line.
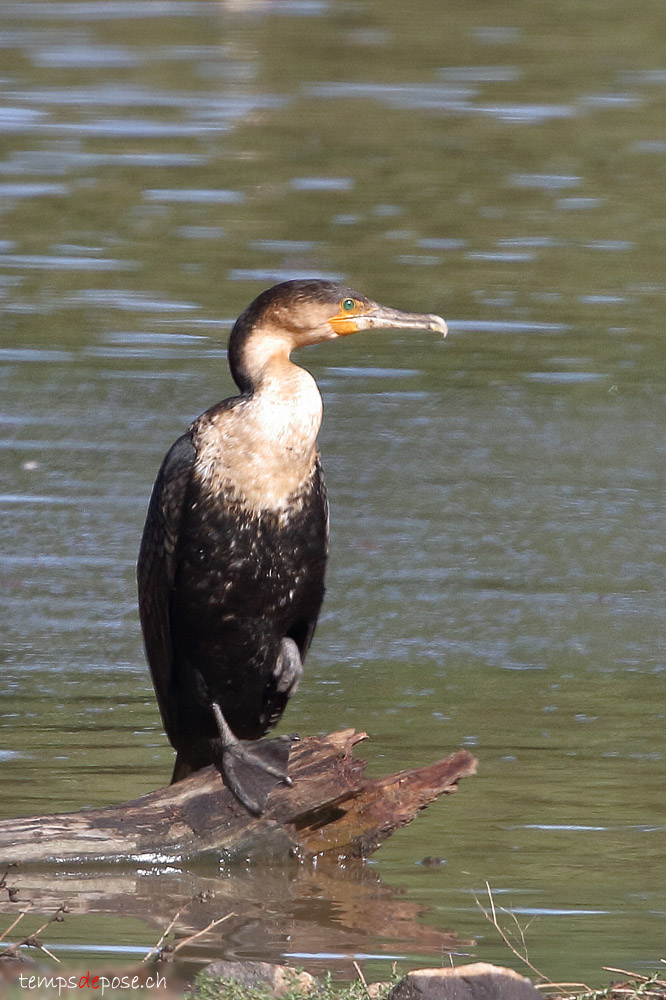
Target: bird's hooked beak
x,y
371,316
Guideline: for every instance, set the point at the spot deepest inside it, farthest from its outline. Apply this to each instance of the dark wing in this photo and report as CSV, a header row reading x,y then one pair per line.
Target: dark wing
x,y
320,486
156,568
304,633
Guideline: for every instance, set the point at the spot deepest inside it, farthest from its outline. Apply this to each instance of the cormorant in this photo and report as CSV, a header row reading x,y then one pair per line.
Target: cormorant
x,y
232,559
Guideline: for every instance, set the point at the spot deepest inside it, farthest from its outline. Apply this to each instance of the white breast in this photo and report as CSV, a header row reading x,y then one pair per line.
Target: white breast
x,y
262,451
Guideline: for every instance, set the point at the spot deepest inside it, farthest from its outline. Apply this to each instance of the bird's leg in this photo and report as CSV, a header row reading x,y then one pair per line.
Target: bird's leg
x,y
240,747
288,668
251,768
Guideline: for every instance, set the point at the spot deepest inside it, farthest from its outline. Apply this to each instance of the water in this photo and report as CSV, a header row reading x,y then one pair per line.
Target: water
x,y
497,568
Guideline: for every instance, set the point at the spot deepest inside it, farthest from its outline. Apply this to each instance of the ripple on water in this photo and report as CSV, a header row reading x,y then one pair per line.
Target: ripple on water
x,y
158,339
371,372
38,262
563,378
19,119
150,353
114,96
481,74
156,346
649,146
322,183
293,8
399,96
284,246
56,162
549,182
525,113
645,76
506,326
618,246
104,10
611,100
439,98
418,260
603,299
119,298
547,911
529,241
579,204
201,232
561,826
21,354
60,562
515,256
32,190
135,128
85,56
281,274
231,106
437,243
204,196
492,35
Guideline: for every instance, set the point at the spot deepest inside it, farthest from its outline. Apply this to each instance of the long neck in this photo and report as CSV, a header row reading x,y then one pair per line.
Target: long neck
x,y
263,450
282,398
254,350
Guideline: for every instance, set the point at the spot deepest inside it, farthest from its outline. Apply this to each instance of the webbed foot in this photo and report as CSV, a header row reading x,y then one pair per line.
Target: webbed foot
x,y
252,768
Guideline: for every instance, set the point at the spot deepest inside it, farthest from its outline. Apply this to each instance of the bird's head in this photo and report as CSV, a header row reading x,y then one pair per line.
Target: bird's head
x,y
301,312
311,311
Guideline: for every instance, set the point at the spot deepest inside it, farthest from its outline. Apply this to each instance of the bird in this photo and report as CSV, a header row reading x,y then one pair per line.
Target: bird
x,y
233,553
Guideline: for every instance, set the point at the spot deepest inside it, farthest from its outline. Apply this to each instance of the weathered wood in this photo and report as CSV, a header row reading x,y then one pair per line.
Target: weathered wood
x,y
330,809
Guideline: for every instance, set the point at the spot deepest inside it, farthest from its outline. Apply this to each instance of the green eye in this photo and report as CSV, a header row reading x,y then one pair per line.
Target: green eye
x,y
348,304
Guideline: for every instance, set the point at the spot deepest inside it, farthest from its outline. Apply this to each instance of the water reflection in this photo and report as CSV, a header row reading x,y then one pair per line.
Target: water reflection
x,y
327,915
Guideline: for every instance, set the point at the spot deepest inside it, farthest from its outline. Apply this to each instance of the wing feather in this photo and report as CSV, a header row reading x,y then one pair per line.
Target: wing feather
x,y
305,635
157,564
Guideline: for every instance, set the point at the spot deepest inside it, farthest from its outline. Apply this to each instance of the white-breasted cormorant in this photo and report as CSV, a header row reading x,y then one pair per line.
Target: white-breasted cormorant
x,y
232,559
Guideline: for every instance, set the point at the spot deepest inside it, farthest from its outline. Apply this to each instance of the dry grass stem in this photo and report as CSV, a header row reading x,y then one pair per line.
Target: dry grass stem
x,y
31,940
492,918
635,975
193,937
644,987
359,973
156,948
564,987
17,921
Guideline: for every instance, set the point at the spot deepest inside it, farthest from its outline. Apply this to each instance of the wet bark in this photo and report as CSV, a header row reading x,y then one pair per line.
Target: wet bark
x,y
331,809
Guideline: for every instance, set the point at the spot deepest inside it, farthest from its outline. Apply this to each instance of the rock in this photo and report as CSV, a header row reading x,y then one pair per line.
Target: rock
x,y
279,978
466,982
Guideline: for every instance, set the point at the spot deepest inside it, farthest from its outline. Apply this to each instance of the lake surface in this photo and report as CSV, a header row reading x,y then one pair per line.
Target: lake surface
x,y
498,552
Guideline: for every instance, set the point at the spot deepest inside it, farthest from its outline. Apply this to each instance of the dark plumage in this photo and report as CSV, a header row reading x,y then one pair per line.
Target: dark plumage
x,y
232,559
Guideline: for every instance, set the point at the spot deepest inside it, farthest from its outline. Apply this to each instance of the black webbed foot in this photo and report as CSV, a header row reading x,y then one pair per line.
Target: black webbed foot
x,y
251,768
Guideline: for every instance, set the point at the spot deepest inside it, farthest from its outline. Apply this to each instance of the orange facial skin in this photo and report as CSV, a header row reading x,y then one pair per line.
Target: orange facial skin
x,y
344,322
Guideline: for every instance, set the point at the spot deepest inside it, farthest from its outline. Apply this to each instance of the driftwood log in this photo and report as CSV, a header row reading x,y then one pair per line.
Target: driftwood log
x,y
332,808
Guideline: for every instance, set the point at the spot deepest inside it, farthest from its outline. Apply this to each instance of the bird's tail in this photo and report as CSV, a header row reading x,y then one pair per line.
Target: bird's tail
x,y
181,769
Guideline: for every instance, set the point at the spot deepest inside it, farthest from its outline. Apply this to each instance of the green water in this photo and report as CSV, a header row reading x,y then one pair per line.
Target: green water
x,y
497,567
